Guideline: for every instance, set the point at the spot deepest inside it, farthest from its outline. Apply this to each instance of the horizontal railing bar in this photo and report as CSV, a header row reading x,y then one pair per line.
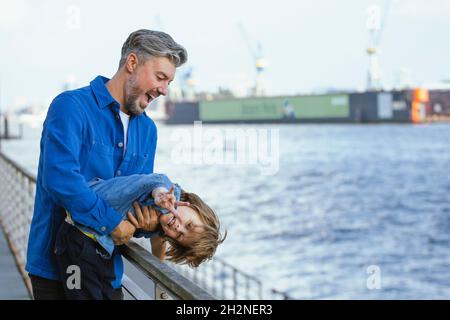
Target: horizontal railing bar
x,y
134,290
162,273
23,170
237,270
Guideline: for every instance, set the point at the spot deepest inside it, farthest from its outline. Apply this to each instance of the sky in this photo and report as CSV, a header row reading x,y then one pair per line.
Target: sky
x,y
309,45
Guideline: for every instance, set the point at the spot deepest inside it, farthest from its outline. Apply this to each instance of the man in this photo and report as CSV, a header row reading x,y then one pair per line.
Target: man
x,y
98,131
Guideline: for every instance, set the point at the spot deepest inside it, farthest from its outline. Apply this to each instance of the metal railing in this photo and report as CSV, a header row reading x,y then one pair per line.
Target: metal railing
x,y
215,279
168,283
225,281
17,190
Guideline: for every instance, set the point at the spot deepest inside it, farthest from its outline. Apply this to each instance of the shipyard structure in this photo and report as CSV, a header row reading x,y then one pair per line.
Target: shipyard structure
x,y
375,105
404,106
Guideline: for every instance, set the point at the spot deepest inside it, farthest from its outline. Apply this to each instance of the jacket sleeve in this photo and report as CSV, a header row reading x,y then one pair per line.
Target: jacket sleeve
x,y
63,135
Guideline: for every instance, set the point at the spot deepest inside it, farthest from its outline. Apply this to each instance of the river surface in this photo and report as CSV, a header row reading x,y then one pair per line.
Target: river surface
x,y
323,211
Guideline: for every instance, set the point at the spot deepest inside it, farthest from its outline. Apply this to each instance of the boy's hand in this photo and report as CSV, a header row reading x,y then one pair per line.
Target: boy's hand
x,y
167,200
147,218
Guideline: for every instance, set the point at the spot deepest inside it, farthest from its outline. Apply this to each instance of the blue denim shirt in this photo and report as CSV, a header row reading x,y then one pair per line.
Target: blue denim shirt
x,y
121,192
82,138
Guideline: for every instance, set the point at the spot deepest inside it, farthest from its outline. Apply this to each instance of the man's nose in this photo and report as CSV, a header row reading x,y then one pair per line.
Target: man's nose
x,y
163,90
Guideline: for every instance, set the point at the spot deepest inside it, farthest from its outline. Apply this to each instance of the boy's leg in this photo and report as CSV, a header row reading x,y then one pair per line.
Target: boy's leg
x,y
85,271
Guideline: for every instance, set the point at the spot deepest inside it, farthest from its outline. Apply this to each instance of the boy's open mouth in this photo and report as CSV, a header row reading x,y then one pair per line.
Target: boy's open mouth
x,y
171,221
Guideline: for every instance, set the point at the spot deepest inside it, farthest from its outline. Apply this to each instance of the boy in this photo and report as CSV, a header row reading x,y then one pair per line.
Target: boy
x,y
192,231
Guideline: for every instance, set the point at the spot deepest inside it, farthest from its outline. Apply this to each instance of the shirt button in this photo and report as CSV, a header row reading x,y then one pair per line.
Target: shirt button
x,y
120,144
103,228
118,173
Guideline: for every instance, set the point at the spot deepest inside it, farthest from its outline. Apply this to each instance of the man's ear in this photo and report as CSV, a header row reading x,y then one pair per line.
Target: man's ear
x,y
131,63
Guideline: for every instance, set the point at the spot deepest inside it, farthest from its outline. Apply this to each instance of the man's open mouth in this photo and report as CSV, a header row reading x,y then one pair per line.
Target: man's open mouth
x,y
149,97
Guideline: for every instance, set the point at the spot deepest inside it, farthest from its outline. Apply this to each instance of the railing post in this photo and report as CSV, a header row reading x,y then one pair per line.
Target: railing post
x,y
260,290
213,285
223,282
235,293
247,288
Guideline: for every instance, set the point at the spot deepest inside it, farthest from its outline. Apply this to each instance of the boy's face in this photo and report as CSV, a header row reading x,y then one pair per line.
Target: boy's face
x,y
183,228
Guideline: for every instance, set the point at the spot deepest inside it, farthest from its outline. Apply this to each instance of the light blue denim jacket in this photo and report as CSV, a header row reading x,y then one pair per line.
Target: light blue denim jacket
x,y
121,192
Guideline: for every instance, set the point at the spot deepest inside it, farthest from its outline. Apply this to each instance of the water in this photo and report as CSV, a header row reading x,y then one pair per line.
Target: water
x,y
346,200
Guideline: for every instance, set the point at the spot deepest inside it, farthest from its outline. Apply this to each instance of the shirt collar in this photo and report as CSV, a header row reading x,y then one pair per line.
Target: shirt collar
x,y
104,98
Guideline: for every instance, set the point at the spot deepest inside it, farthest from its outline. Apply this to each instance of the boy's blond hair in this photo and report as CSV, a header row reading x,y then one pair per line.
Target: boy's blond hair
x,y
207,239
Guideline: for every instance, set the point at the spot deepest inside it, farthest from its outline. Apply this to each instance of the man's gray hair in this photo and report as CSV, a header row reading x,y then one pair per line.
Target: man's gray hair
x,y
148,43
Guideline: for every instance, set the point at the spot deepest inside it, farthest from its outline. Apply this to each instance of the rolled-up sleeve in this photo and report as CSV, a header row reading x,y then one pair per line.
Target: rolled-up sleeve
x,y
63,136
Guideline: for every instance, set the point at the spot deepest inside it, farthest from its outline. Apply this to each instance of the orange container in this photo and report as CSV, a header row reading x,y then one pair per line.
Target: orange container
x,y
417,112
421,95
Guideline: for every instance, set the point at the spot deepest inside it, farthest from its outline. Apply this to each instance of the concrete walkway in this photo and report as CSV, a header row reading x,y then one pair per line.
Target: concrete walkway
x,y
12,286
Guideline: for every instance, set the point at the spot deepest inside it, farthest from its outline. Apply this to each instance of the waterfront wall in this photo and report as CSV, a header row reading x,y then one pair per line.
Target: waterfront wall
x,y
401,106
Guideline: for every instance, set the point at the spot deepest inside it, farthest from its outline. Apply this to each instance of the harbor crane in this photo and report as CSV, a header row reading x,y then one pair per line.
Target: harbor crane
x,y
183,87
259,62
375,24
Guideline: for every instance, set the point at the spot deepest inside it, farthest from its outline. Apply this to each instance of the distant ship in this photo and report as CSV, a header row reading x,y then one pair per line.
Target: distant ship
x,y
401,106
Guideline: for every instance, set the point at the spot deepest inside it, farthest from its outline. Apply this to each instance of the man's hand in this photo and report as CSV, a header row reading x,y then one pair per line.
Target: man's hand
x,y
123,232
167,200
147,218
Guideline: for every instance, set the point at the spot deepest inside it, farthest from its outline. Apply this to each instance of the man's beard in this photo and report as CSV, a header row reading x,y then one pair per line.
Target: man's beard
x,y
131,101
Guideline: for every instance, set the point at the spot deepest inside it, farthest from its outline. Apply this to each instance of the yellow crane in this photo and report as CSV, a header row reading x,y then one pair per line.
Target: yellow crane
x,y
259,61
